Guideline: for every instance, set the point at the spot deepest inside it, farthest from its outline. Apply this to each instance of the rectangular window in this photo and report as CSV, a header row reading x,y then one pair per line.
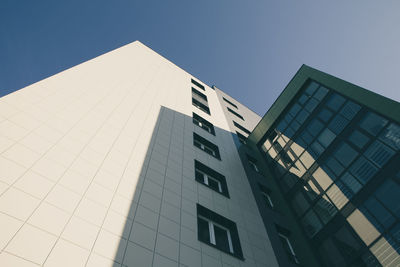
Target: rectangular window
x,y
198,84
210,178
200,106
241,137
206,146
235,113
218,232
266,195
199,94
284,237
229,102
253,163
241,127
203,123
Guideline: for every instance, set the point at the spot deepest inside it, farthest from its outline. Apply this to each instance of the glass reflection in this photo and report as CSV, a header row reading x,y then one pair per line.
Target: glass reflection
x,y
325,150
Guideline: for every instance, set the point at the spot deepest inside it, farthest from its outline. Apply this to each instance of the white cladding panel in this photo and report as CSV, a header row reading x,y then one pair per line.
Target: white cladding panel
x,y
97,169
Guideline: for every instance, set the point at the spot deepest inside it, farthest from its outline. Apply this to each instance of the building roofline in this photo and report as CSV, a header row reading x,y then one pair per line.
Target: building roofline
x,y
374,101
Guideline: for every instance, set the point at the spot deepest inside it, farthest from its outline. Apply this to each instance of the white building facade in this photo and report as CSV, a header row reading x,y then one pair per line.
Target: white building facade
x,y
126,160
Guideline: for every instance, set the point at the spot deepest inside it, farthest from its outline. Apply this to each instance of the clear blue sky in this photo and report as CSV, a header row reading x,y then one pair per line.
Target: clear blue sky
x,y
250,49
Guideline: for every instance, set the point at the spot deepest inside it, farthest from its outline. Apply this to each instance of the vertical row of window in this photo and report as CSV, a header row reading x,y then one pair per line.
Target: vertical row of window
x,y
200,101
241,137
213,229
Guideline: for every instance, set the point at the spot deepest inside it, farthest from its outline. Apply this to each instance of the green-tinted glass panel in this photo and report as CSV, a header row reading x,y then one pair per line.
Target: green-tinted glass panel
x,y
373,123
358,139
335,101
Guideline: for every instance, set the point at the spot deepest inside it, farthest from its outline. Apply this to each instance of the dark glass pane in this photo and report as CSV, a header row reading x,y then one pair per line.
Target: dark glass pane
x,y
301,142
199,176
373,123
295,125
338,124
197,144
299,203
209,151
321,93
334,165
311,88
363,170
391,136
311,190
335,101
330,254
388,194
346,243
358,139
281,126
289,132
294,110
349,110
307,138
317,149
303,99
221,238
311,223
315,127
351,183
326,137
213,184
369,260
288,118
195,121
325,115
379,212
289,180
203,230
379,153
311,104
302,116
345,154
395,232
325,209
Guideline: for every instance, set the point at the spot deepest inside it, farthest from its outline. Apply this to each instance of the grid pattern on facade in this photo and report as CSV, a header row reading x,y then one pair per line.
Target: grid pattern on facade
x,y
325,149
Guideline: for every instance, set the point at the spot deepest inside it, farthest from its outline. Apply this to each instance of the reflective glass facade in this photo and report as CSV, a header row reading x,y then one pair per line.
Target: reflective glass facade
x,y
337,164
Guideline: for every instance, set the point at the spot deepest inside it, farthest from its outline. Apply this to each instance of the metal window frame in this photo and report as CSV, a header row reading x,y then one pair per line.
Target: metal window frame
x,y
211,225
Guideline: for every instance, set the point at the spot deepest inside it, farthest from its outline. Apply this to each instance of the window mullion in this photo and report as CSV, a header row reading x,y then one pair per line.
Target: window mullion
x,y
212,233
206,179
230,241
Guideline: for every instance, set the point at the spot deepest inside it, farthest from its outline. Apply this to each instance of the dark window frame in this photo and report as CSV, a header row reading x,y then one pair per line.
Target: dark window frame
x,y
201,106
201,169
213,219
203,123
198,84
240,127
229,102
235,113
199,94
206,146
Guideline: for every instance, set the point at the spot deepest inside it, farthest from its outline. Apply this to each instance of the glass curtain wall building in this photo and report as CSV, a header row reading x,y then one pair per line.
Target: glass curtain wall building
x,y
332,151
